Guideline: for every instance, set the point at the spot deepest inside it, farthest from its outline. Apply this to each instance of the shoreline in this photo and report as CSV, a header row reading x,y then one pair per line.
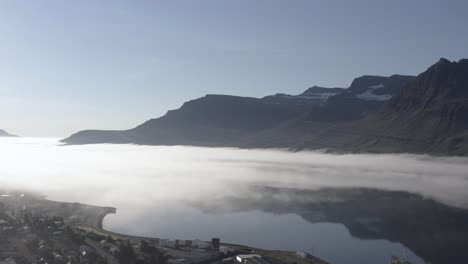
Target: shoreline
x,y
67,221
275,254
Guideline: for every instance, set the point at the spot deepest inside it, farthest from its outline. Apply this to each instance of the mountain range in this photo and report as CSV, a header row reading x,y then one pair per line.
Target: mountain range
x,y
3,133
427,113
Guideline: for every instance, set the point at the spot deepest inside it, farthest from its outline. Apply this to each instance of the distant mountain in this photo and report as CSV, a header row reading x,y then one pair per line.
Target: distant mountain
x,y
430,115
213,120
221,120
3,133
314,96
423,114
366,94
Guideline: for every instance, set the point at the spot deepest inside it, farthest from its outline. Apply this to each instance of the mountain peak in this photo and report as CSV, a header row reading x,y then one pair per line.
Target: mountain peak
x,y
443,60
3,133
319,89
446,62
442,87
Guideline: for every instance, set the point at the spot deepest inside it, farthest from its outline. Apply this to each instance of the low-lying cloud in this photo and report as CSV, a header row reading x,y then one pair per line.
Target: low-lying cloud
x,y
102,174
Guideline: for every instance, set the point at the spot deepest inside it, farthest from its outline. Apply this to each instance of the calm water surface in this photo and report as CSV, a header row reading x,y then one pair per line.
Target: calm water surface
x,y
330,241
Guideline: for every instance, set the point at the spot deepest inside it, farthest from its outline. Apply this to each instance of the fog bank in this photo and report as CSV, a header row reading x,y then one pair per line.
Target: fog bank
x,y
98,174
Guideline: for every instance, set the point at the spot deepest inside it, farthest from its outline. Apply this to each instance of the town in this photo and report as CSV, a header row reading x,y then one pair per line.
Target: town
x,y
36,230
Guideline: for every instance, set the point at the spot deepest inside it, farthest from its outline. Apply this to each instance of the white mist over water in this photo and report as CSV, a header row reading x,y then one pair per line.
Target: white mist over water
x,y
149,186
101,173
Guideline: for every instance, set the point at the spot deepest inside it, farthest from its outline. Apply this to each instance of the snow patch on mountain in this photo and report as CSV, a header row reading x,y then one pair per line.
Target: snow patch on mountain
x,y
308,96
378,86
370,96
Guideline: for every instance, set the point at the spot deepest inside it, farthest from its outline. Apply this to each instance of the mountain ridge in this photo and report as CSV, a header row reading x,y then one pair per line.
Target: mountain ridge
x,y
212,120
3,133
427,113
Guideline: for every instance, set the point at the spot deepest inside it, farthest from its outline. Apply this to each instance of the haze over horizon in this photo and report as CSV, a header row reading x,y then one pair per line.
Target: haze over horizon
x,y
68,66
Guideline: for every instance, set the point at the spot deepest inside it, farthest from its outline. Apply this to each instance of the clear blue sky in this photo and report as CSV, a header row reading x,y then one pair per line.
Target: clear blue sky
x,y
72,65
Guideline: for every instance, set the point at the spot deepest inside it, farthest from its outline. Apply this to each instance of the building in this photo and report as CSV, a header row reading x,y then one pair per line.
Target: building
x,y
303,254
215,243
181,242
85,250
167,243
201,244
226,250
155,241
251,259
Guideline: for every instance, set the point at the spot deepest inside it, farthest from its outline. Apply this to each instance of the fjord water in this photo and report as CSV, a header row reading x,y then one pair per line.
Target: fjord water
x,y
338,207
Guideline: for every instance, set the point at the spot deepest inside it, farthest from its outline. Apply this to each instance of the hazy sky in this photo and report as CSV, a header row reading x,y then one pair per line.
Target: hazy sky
x,y
72,65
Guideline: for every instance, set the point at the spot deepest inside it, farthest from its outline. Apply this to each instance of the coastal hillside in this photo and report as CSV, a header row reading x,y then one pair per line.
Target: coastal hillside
x,y
423,114
222,120
213,120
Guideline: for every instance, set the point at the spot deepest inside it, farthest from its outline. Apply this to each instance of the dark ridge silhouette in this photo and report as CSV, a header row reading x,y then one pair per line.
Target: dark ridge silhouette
x,y
423,114
213,120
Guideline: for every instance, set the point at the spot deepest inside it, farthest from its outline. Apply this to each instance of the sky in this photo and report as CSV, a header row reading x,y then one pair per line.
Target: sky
x,y
66,66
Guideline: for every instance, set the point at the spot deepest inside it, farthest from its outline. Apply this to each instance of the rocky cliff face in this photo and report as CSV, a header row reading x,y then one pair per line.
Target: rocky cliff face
x,y
440,93
443,84
431,113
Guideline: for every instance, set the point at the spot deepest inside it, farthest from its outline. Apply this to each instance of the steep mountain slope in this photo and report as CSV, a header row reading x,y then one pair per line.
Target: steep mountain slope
x,y
430,115
3,133
366,94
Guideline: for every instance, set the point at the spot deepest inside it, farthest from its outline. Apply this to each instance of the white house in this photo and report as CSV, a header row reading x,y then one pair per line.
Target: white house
x,y
201,244
250,259
225,250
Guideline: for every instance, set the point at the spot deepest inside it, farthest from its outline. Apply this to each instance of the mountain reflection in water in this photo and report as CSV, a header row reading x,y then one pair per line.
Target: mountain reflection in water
x,y
436,232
